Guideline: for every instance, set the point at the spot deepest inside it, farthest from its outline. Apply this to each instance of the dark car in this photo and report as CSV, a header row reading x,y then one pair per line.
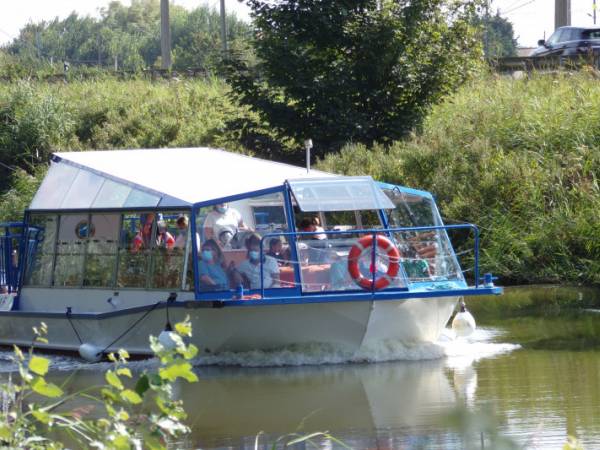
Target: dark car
x,y
570,41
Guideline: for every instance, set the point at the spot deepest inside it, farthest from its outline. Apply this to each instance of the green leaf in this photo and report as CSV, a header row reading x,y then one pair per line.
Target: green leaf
x,y
39,365
41,416
18,353
190,352
40,386
5,433
122,442
155,379
184,328
124,371
142,385
179,369
114,380
131,396
109,394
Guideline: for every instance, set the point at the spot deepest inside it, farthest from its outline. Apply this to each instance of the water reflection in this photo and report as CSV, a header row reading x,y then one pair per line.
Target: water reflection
x,y
386,405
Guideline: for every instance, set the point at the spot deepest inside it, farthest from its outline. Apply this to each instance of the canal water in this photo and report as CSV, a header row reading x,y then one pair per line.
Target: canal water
x,y
529,377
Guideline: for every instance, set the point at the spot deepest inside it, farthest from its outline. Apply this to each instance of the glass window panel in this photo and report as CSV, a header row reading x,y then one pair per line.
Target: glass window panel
x,y
112,195
41,252
260,216
338,194
168,251
101,256
426,255
70,248
54,187
83,190
411,210
135,245
138,199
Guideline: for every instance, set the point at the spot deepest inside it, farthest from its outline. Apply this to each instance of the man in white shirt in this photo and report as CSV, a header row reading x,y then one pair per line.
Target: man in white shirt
x,y
222,218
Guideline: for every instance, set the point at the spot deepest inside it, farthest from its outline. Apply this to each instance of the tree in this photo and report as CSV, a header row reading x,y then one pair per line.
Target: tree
x,y
354,70
498,36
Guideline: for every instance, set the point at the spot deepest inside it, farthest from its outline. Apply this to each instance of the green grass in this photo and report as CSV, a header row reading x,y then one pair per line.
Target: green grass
x,y
520,158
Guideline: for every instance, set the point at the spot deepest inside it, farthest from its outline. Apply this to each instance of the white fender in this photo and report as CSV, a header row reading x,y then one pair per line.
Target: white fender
x,y
166,339
90,352
463,323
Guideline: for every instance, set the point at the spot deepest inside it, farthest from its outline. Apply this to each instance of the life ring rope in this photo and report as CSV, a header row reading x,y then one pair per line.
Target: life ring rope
x,y
356,252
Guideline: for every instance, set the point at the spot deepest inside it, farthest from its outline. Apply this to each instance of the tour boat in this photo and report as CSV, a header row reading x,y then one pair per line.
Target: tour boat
x,y
118,245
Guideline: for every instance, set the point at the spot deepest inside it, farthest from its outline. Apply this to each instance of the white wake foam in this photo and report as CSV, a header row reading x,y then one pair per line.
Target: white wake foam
x,y
458,352
476,347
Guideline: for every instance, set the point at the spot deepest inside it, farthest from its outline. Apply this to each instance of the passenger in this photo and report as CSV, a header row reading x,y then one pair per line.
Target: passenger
x,y
306,226
164,239
143,238
250,268
182,233
316,222
276,251
210,268
220,218
225,238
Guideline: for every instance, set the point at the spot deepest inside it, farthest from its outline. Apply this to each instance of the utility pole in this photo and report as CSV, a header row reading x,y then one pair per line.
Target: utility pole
x,y
165,34
223,27
594,11
562,13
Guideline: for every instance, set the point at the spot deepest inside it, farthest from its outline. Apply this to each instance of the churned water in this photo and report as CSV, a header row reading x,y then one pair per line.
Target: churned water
x,y
532,371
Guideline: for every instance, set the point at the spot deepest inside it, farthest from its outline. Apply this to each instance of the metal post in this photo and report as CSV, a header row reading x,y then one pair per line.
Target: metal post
x,y
562,13
165,35
594,11
223,27
308,145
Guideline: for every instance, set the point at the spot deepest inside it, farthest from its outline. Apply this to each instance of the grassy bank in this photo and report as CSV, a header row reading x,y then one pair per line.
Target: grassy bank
x,y
38,118
520,158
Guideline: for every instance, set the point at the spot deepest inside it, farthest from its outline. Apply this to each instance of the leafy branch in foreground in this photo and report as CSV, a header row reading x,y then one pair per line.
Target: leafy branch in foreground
x,y
137,414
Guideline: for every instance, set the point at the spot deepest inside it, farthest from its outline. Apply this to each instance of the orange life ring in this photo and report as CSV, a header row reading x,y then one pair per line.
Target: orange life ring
x,y
356,251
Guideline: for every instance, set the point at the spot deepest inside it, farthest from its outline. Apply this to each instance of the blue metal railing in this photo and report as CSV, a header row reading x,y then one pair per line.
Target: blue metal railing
x,y
374,233
17,247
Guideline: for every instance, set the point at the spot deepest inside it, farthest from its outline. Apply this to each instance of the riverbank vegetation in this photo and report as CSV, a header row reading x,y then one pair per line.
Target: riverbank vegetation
x,y
518,157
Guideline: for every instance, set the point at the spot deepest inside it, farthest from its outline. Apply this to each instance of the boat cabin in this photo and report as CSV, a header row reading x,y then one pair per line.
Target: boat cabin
x,y
211,225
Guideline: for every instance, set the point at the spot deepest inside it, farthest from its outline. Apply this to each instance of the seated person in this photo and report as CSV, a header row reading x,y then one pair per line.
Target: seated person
x,y
222,218
250,268
316,222
225,238
182,233
306,226
143,238
164,239
210,268
276,251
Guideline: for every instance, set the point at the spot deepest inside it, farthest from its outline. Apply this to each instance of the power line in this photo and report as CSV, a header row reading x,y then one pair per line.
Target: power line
x,y
518,7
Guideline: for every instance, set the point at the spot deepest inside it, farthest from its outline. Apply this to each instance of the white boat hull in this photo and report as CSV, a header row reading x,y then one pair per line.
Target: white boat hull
x,y
348,324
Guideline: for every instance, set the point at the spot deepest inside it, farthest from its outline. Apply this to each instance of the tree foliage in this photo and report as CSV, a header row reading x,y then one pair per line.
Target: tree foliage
x,y
498,36
131,36
354,70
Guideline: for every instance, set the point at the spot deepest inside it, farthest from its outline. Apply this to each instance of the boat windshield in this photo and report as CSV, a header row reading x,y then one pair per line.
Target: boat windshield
x,y
338,194
427,255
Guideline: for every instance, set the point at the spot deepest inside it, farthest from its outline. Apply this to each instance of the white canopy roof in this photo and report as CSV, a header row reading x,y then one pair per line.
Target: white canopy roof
x,y
173,177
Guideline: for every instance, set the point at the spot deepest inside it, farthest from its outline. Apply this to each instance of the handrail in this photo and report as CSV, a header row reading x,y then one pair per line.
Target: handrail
x,y
374,232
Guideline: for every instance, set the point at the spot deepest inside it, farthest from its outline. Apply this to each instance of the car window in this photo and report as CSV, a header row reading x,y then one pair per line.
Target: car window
x,y
572,34
590,34
554,38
